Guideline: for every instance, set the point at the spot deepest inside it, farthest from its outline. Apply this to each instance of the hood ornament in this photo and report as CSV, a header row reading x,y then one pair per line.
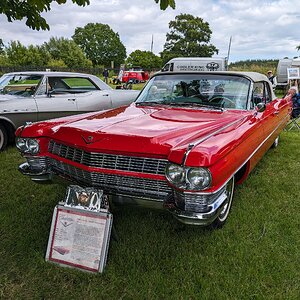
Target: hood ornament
x,y
88,140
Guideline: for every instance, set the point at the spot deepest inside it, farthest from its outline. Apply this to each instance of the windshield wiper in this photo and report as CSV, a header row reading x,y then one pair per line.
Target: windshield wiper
x,y
187,103
153,103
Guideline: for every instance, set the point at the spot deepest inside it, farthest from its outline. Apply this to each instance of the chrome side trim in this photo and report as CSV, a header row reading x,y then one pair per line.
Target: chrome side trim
x,y
232,174
192,145
262,142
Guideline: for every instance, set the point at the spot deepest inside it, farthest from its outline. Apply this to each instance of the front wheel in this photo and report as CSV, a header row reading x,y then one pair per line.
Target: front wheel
x,y
276,142
222,217
3,137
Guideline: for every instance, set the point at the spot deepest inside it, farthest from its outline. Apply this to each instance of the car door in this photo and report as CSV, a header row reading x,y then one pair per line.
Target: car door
x,y
55,103
271,116
276,110
94,100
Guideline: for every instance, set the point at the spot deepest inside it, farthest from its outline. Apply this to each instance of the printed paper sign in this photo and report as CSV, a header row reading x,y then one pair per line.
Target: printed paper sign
x,y
293,73
79,238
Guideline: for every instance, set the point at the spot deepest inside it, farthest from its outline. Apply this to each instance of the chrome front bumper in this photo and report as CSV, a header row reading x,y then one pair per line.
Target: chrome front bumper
x,y
42,173
198,218
36,174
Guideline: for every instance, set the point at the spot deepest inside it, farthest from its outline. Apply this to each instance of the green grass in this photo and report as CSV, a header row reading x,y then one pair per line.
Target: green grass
x,y
255,256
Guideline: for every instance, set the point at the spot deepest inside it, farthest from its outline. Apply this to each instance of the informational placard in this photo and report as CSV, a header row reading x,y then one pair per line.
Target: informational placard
x,y
293,73
79,238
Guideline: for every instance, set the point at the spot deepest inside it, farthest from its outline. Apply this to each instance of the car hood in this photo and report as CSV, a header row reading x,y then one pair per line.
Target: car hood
x,y
137,130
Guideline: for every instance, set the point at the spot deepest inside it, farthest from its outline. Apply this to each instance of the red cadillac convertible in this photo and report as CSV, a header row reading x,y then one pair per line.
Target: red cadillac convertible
x,y
183,145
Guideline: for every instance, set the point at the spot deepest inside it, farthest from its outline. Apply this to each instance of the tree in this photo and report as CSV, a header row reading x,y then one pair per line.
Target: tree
x,y
4,62
19,55
100,44
2,47
31,10
68,52
145,59
189,36
165,3
298,47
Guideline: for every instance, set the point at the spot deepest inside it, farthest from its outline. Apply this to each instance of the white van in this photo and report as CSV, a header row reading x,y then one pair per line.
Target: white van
x,y
195,64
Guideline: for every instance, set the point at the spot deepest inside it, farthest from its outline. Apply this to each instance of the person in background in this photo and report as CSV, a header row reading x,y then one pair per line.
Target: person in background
x,y
272,78
105,75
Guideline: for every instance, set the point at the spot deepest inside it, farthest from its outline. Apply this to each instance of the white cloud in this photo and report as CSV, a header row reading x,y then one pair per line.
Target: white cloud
x,y
259,29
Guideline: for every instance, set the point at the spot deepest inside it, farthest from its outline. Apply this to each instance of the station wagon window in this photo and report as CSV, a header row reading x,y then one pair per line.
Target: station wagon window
x,y
210,90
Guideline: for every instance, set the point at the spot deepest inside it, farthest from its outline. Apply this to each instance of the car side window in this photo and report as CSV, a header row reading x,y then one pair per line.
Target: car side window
x,y
261,93
74,85
258,93
267,93
165,68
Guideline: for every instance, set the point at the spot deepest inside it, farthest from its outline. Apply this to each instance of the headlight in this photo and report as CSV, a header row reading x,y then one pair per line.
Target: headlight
x,y
188,178
175,174
199,178
33,146
26,145
21,144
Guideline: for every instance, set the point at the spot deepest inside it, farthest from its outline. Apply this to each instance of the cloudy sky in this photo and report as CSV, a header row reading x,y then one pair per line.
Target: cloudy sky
x,y
260,29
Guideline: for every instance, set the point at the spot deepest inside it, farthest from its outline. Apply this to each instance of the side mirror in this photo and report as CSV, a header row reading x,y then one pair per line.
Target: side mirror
x,y
260,107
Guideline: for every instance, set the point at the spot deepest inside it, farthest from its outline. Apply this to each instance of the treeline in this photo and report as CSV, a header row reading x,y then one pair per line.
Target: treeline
x,y
255,65
97,45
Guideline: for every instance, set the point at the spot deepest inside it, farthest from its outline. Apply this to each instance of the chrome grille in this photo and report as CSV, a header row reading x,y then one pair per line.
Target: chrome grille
x,y
109,161
111,183
195,202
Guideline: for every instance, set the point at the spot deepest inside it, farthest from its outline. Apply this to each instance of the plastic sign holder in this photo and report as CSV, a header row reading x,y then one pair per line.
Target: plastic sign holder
x,y
80,230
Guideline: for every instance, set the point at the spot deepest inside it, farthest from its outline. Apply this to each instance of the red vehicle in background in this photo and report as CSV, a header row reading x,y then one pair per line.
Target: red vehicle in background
x,y
135,75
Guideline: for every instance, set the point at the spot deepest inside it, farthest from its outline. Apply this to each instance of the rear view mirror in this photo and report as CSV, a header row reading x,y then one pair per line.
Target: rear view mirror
x,y
260,107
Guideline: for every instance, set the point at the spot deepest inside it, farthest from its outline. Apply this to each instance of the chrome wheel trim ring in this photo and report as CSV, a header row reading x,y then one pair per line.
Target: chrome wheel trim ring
x,y
225,211
1,139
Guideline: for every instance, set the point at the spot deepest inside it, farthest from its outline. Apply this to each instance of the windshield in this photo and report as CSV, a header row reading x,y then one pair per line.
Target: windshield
x,y
19,84
210,90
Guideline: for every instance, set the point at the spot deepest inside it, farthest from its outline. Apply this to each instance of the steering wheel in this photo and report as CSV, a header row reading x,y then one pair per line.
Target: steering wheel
x,y
30,89
200,96
224,101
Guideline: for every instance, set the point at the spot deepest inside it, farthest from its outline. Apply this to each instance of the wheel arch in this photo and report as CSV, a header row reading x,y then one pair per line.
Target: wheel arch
x,y
242,173
10,128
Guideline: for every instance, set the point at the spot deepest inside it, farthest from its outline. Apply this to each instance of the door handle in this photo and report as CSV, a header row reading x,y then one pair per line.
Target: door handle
x,y
71,99
106,95
276,112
